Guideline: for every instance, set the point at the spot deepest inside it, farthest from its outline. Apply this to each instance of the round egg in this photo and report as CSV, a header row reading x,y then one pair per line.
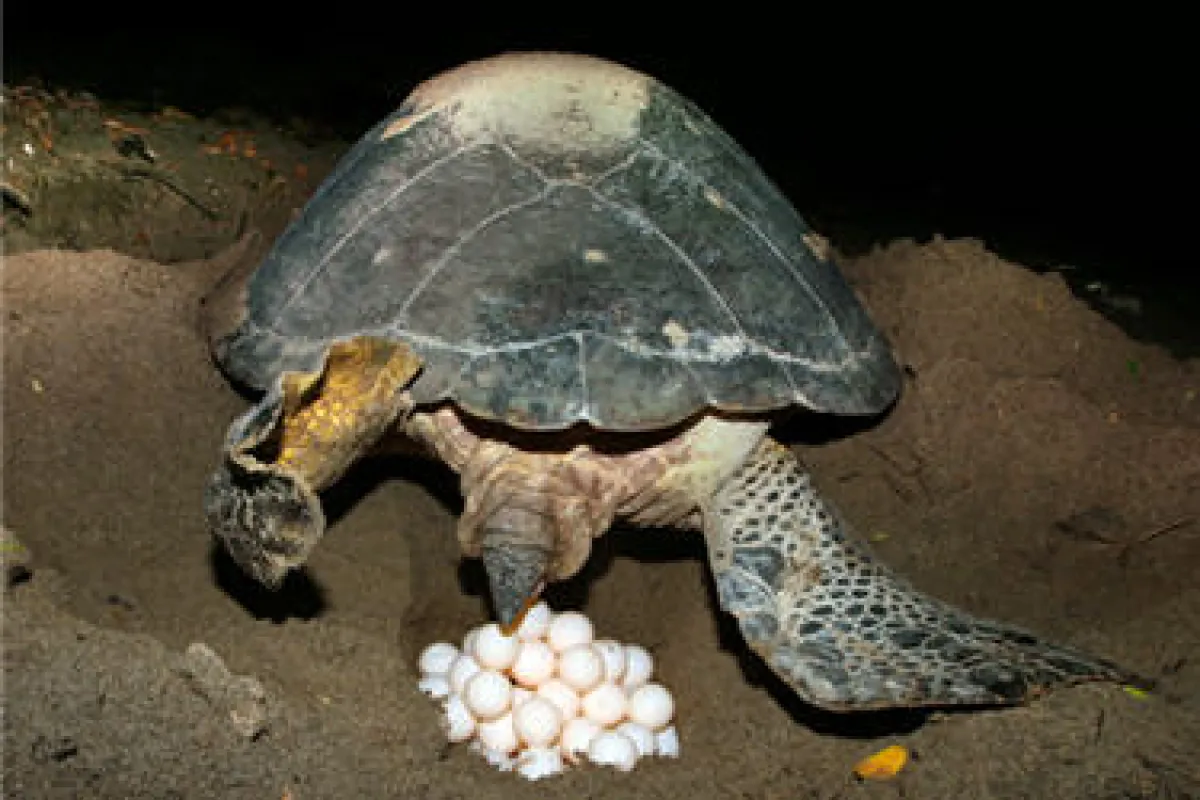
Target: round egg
x,y
640,735
437,658
613,655
499,735
567,629
538,722
501,761
580,667
461,671
535,622
457,721
605,705
492,649
487,694
435,686
639,666
534,664
468,642
539,762
651,705
612,749
666,742
576,738
562,695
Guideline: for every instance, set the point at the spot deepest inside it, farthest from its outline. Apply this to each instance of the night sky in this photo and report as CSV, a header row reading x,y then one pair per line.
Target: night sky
x,y
1057,141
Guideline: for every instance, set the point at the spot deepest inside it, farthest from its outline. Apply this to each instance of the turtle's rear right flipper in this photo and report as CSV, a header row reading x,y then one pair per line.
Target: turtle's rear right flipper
x,y
262,502
843,630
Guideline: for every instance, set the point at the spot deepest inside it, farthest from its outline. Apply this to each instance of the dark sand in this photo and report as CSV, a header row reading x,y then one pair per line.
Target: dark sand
x,y
1041,467
1032,430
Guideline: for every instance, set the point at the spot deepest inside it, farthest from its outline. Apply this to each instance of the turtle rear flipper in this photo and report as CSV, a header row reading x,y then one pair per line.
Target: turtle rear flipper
x,y
262,502
844,631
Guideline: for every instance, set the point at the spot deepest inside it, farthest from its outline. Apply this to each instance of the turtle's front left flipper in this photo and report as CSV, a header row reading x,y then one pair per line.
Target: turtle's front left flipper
x,y
262,502
843,630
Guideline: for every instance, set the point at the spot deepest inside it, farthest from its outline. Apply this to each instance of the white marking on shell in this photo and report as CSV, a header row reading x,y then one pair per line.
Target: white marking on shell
x,y
726,346
676,334
595,256
399,126
571,102
818,244
713,348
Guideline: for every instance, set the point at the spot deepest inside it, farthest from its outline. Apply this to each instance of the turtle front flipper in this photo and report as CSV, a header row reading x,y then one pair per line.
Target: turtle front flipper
x,y
262,502
841,628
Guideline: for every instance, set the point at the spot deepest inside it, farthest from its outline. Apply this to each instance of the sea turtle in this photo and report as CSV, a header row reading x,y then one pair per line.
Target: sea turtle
x,y
560,277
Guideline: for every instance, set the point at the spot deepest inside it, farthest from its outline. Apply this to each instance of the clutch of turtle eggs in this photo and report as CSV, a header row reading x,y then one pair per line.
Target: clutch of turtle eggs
x,y
549,696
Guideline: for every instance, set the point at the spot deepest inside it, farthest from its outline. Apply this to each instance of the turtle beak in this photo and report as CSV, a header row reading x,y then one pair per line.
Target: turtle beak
x,y
517,575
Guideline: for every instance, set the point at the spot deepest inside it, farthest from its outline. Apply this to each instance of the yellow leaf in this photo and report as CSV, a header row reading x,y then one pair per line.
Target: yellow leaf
x,y
884,765
1136,693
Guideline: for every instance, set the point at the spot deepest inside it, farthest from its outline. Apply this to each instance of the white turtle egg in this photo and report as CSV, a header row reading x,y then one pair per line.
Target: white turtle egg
x,y
457,721
468,642
651,705
639,666
605,705
494,650
505,762
640,735
437,658
613,655
435,686
495,758
534,664
666,742
499,735
536,621
538,722
580,667
539,762
461,671
488,694
562,695
612,749
576,738
569,628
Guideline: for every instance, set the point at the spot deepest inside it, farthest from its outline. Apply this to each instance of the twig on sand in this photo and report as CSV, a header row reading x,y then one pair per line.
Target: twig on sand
x,y
1151,535
1106,527
136,170
16,198
911,471
1182,522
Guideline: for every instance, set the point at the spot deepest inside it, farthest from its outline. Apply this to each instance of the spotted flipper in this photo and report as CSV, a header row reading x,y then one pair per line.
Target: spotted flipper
x,y
842,629
262,501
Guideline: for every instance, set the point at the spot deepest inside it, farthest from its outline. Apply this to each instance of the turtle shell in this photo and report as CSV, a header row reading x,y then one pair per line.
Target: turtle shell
x,y
564,240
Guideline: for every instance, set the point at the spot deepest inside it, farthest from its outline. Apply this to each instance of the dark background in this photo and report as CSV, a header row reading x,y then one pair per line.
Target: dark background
x,y
1065,139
